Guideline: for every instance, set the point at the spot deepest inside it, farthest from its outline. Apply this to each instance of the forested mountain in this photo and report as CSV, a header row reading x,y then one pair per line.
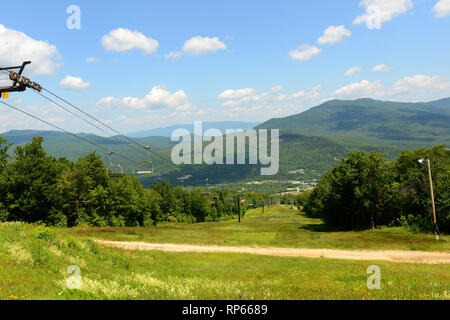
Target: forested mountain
x,y
397,124
312,140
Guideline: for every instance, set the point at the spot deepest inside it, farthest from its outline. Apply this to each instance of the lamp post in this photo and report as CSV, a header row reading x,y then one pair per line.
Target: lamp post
x,y
432,196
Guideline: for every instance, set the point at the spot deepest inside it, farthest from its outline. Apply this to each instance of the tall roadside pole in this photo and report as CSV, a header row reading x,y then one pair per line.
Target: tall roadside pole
x,y
239,206
432,197
432,200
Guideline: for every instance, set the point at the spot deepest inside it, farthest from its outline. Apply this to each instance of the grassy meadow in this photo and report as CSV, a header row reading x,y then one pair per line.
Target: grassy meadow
x,y
34,261
279,226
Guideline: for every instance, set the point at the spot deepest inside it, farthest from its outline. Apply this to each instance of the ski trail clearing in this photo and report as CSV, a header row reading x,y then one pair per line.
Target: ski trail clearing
x,y
385,255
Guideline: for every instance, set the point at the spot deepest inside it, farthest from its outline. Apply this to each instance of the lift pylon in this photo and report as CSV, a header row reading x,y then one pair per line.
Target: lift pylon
x,y
20,83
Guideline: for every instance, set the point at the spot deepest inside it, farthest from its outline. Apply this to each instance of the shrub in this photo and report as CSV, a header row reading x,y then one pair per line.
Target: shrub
x,y
73,243
44,234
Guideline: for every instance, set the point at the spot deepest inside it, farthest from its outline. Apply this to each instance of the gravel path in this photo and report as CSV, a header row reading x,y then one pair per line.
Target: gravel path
x,y
386,255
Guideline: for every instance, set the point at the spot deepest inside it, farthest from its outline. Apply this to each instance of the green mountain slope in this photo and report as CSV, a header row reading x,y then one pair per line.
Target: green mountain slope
x,y
312,140
60,144
374,122
296,152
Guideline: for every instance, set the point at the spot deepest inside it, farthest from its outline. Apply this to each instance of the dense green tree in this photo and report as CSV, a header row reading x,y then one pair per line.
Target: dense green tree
x,y
353,194
366,191
302,199
36,187
168,203
31,179
414,190
4,146
78,185
156,214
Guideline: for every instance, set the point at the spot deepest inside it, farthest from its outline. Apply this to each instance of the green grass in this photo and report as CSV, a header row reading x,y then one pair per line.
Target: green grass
x,y
277,227
34,262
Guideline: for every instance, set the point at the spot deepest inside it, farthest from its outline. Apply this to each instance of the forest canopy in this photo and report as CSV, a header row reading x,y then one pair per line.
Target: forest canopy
x,y
365,190
36,187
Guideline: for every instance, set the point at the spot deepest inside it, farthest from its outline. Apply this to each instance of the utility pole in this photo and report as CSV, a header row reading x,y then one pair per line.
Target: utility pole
x,y
432,197
432,200
239,206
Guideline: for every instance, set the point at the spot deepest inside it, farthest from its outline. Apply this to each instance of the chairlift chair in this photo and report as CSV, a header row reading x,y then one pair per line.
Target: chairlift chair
x,y
112,174
149,169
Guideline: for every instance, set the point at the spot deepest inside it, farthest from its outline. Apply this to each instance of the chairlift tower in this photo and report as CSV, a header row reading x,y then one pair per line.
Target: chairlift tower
x,y
20,83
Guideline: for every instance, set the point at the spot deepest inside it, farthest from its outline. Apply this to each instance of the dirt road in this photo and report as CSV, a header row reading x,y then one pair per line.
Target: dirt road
x,y
386,255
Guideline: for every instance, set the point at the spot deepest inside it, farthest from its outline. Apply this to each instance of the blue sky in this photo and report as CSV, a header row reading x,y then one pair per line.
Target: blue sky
x,y
155,64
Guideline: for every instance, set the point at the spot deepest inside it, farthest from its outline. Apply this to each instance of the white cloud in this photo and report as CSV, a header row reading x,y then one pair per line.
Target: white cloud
x,y
92,59
442,8
381,11
16,47
249,96
360,89
418,87
123,39
173,55
203,45
197,46
277,88
314,93
158,98
334,34
74,83
381,68
236,94
108,101
230,103
260,106
353,70
421,82
297,95
304,52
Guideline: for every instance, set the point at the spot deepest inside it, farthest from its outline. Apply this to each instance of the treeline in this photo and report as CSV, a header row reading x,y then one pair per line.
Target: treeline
x,y
36,187
366,191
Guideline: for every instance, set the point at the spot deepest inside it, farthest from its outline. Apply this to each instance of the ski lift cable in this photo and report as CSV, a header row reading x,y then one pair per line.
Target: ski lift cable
x,y
92,117
106,125
99,121
78,116
68,132
73,113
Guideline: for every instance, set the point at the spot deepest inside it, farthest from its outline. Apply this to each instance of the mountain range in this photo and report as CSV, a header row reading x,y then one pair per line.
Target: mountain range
x,y
312,140
167,131
368,121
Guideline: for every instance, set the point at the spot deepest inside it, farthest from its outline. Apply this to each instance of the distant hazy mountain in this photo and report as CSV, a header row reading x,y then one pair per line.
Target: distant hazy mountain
x,y
167,131
373,121
61,144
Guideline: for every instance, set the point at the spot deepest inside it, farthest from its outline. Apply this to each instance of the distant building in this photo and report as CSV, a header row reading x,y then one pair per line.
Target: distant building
x,y
298,171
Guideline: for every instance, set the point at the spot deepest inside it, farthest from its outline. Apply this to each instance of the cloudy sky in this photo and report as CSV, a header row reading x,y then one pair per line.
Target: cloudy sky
x,y
145,64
